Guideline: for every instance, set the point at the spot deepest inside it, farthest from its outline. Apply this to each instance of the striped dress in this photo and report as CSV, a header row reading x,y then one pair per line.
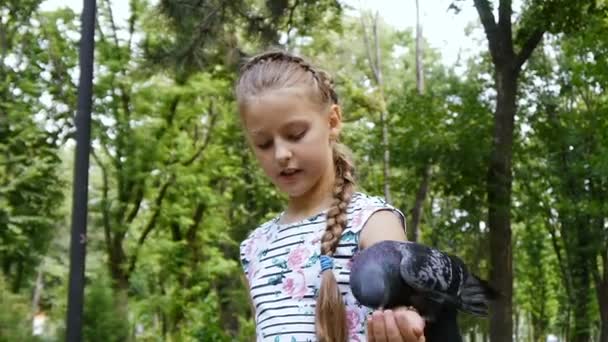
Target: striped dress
x,y
283,271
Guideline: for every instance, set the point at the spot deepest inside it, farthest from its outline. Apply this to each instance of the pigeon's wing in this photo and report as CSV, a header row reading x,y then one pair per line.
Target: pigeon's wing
x,y
476,295
444,278
430,270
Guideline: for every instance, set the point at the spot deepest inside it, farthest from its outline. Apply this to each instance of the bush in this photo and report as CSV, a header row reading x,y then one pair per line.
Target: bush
x,y
15,324
103,320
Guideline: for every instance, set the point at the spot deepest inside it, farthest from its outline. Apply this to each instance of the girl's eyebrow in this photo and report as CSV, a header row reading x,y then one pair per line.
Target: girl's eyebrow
x,y
295,123
291,124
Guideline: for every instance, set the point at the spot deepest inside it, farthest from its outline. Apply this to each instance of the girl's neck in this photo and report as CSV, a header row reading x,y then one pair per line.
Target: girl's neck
x,y
317,199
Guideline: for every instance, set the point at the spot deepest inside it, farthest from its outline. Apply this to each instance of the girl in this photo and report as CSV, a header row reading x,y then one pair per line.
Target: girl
x,y
297,264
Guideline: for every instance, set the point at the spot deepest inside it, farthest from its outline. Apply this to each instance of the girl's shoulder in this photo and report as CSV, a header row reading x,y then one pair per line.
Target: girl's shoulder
x,y
259,231
362,199
362,206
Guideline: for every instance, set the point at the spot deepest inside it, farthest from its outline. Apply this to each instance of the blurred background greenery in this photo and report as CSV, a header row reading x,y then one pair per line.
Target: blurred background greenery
x,y
174,188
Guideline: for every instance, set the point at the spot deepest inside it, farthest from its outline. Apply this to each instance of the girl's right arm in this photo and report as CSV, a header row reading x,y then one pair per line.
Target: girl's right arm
x,y
400,324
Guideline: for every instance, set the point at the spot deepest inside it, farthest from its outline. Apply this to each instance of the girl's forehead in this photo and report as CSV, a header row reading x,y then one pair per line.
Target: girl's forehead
x,y
273,109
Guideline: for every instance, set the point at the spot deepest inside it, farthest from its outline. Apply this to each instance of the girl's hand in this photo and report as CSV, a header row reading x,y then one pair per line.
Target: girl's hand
x,y
400,325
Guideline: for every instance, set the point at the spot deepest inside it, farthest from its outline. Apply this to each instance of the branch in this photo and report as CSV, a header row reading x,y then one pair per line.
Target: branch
x,y
378,54
596,276
112,24
504,18
107,151
368,49
136,204
289,24
123,69
152,222
528,47
102,36
489,25
176,234
191,239
213,115
566,277
105,212
605,264
3,45
173,109
419,202
132,20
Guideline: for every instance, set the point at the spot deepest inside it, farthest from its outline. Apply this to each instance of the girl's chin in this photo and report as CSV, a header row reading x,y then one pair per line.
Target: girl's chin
x,y
294,193
293,190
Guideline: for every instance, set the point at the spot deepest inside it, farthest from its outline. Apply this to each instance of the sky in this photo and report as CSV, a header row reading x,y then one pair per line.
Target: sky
x,y
443,29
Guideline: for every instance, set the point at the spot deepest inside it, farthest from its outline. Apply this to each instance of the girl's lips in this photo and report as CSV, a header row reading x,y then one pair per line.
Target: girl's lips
x,y
289,176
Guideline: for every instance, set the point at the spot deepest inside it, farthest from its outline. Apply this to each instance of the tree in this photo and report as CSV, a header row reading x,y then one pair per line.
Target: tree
x,y
374,58
215,32
426,169
509,52
31,132
569,124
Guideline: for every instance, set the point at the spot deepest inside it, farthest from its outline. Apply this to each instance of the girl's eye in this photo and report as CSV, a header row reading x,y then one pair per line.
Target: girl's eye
x,y
297,136
264,145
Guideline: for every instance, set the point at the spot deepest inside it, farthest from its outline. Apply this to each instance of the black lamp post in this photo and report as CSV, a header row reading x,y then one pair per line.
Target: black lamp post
x,y
81,175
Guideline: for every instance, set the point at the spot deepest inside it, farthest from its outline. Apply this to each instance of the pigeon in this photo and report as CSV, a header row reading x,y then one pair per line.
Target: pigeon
x,y
392,274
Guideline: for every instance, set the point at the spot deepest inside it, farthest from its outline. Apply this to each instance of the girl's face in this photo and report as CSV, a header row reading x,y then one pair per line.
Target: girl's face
x,y
291,138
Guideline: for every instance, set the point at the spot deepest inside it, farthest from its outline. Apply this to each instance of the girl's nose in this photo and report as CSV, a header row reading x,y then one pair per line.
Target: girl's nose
x,y
282,154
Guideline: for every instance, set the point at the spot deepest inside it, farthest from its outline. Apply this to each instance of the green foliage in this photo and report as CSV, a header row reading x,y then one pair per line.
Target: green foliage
x,y
174,188
15,316
30,187
101,321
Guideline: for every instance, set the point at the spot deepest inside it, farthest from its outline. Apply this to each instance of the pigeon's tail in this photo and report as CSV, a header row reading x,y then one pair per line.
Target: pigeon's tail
x,y
476,294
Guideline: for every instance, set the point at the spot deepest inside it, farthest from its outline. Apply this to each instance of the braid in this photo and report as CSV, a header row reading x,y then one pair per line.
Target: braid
x,y
343,190
323,81
330,310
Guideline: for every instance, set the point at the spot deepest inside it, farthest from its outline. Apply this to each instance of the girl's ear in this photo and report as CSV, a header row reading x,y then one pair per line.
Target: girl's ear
x,y
335,121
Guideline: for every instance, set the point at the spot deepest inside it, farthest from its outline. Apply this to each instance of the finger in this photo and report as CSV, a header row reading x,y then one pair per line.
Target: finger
x,y
410,324
378,327
370,330
392,331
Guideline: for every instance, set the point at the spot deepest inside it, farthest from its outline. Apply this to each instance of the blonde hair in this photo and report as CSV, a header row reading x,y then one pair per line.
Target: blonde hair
x,y
278,70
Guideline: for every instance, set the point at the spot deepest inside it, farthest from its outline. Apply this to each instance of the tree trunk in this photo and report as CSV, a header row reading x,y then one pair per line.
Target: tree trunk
x,y
37,292
603,304
499,184
18,279
426,173
117,264
517,322
581,276
418,204
507,66
3,46
601,286
386,157
375,63
383,114
419,53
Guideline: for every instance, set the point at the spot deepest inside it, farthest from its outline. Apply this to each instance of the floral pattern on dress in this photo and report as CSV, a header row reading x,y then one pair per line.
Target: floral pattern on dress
x,y
297,257
294,284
